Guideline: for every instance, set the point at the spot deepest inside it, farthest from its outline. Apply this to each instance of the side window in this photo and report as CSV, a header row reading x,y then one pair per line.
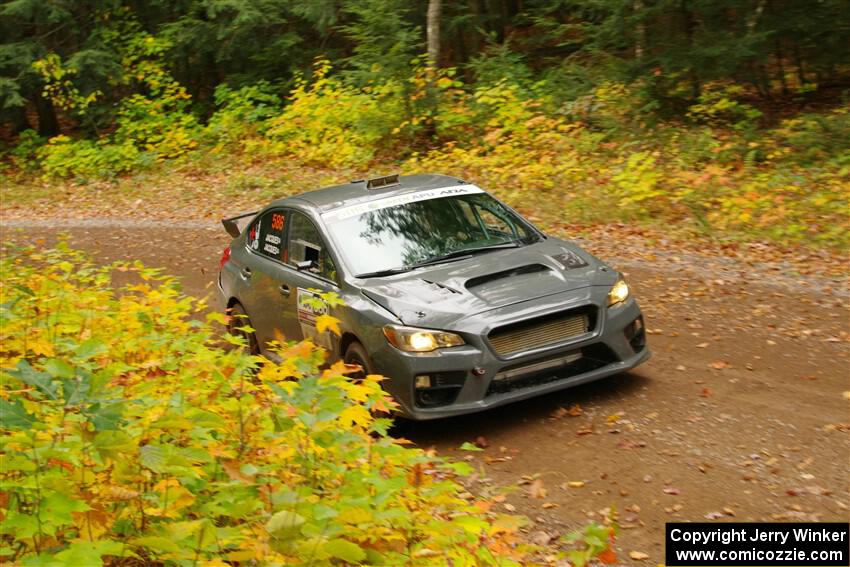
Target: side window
x,y
266,234
306,245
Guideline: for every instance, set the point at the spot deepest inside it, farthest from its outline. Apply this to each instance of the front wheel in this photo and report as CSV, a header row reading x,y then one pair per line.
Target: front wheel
x,y
236,326
355,354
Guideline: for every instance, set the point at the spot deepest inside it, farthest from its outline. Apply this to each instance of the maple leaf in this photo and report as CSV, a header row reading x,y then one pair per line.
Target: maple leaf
x,y
328,323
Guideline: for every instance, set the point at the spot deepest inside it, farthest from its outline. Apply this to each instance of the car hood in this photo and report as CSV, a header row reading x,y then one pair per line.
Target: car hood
x,y
437,296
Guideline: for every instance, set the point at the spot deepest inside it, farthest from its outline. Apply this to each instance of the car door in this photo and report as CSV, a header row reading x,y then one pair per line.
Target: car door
x,y
264,299
309,269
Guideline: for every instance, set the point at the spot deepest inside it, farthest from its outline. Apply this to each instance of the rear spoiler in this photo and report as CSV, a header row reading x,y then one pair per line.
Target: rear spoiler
x,y
233,226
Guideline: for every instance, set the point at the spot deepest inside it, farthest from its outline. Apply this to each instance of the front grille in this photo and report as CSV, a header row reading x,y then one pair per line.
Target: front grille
x,y
540,332
592,358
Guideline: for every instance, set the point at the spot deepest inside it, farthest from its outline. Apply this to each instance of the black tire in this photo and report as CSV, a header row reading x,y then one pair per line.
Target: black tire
x,y
236,326
356,354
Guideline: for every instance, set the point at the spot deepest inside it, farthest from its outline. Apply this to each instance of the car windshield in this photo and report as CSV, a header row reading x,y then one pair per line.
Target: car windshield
x,y
397,238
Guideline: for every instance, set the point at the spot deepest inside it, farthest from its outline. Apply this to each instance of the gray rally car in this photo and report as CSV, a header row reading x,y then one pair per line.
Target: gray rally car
x,y
458,300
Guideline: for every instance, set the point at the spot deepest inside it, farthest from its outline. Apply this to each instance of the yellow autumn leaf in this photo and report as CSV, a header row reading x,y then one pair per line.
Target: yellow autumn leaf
x,y
357,415
327,323
354,516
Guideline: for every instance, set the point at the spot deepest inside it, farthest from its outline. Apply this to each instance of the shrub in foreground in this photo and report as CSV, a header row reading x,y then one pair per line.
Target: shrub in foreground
x,y
128,435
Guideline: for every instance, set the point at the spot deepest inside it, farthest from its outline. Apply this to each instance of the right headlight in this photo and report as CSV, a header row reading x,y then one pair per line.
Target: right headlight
x,y
619,292
411,339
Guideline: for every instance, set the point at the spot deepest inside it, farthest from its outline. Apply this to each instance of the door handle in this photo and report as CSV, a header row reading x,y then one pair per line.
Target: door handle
x,y
284,290
246,272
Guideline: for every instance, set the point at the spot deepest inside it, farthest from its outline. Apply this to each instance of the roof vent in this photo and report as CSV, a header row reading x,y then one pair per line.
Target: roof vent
x,y
380,182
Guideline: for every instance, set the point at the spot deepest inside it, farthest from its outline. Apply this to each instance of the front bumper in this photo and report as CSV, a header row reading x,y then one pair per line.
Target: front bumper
x,y
609,349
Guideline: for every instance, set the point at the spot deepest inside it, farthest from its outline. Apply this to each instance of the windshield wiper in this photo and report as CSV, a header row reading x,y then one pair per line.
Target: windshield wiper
x,y
464,253
387,272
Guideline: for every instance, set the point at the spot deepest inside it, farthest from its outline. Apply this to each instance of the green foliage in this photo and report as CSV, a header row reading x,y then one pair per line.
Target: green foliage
x,y
241,113
85,159
719,107
809,139
25,154
384,40
620,111
59,86
331,123
128,432
594,541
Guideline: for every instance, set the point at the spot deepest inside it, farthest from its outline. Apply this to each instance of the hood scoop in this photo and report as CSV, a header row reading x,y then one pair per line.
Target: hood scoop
x,y
506,274
516,284
520,271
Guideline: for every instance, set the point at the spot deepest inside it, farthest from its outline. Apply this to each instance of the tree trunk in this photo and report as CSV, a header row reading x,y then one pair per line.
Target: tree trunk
x,y
640,30
48,124
798,61
19,119
780,65
433,31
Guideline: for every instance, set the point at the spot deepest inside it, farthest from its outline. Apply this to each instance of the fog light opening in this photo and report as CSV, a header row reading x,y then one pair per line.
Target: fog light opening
x,y
636,334
423,381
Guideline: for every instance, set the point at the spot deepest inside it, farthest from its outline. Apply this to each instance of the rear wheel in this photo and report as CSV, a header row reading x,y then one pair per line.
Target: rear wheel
x,y
236,326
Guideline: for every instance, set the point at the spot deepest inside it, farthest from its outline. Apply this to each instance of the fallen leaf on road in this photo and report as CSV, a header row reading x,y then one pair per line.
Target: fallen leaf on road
x,y
536,489
613,418
638,555
702,345
482,442
713,515
671,490
728,511
681,367
575,410
706,392
548,505
720,365
575,483
558,413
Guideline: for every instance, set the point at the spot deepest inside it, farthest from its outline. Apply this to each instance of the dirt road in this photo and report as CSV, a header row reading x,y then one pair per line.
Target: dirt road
x,y
742,413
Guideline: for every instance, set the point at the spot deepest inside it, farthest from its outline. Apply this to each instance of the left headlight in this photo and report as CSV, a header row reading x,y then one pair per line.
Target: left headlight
x,y
619,292
411,339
